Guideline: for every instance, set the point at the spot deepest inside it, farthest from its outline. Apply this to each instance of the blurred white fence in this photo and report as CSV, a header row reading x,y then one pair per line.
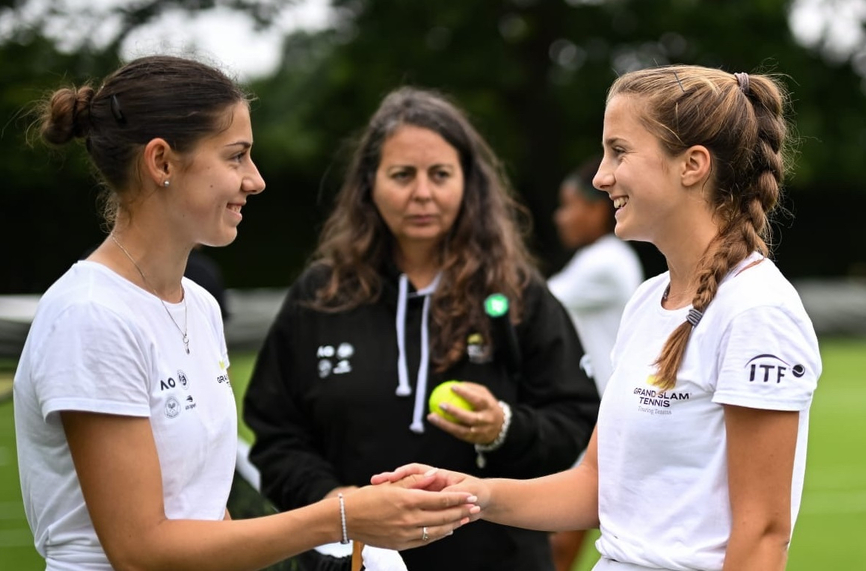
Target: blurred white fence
x,y
837,307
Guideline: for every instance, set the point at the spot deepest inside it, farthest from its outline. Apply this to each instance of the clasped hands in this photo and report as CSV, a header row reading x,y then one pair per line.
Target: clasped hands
x,y
429,479
416,503
407,508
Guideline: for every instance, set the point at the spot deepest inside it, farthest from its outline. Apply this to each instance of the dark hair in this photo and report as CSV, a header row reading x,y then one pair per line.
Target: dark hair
x,y
176,99
483,253
581,179
740,119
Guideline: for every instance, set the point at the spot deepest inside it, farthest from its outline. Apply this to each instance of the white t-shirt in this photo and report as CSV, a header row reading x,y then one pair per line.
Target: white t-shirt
x,y
663,488
594,287
99,343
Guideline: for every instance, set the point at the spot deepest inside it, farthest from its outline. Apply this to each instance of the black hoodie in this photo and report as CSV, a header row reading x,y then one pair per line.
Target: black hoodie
x,y
322,403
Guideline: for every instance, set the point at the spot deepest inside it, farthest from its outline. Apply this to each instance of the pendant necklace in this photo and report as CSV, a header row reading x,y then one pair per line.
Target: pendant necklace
x,y
183,331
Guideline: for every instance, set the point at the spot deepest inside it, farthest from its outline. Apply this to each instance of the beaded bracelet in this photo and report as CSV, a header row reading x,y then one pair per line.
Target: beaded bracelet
x,y
345,539
480,449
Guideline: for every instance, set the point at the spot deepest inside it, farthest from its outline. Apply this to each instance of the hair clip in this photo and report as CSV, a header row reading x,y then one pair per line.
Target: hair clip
x,y
115,110
677,76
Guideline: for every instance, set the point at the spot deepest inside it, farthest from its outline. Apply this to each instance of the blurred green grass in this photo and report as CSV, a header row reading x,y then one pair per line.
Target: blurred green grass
x,y
827,535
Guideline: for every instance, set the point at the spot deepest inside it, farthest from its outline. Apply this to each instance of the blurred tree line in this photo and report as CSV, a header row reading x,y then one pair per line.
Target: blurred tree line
x,y
532,74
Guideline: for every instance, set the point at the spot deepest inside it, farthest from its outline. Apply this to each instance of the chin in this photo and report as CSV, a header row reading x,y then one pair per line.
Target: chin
x,y
421,237
220,241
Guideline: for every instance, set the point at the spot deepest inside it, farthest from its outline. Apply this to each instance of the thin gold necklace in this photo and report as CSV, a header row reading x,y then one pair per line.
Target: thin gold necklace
x,y
183,331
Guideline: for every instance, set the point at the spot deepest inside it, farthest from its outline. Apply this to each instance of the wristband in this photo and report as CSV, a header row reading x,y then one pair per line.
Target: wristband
x,y
345,539
480,449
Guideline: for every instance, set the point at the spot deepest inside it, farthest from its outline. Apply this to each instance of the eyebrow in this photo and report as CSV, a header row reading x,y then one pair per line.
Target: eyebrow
x,y
611,141
433,166
244,144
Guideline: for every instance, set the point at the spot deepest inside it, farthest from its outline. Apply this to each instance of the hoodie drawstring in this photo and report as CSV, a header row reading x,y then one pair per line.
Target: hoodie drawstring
x,y
403,388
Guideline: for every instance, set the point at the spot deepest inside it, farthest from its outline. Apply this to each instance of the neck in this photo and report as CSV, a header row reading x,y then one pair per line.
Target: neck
x,y
147,262
683,266
684,248
419,264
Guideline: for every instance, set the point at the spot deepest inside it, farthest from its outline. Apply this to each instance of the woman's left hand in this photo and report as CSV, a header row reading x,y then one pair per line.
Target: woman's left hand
x,y
481,425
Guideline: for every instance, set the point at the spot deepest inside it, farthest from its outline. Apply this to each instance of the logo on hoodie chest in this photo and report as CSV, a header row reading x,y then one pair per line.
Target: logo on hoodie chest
x,y
334,360
477,350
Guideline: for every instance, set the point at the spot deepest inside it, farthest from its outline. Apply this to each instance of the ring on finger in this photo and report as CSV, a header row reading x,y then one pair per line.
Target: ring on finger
x,y
424,536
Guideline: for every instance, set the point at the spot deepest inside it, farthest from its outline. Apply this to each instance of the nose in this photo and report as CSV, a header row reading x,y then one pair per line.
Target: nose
x,y
253,183
603,179
423,190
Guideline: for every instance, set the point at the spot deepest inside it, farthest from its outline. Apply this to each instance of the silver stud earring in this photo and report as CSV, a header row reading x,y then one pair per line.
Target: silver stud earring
x,y
165,183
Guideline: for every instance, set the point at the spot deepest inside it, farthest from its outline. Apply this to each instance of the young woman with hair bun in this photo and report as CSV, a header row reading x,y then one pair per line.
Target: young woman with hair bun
x,y
124,413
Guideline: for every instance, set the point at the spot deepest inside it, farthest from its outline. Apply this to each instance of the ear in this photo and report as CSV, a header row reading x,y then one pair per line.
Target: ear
x,y
696,165
158,161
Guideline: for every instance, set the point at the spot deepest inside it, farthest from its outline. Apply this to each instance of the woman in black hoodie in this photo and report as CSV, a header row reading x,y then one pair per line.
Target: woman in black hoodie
x,y
424,230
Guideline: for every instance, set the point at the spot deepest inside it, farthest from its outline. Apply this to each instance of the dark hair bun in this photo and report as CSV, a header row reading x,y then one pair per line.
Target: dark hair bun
x,y
67,115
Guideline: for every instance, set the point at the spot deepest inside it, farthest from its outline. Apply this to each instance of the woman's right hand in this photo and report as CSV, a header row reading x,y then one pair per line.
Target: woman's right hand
x,y
395,517
424,477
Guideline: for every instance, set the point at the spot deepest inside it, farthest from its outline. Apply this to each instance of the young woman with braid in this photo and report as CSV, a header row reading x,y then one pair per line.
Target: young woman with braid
x,y
124,413
698,457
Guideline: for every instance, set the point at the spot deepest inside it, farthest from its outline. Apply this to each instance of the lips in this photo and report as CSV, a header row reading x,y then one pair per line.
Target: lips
x,y
421,218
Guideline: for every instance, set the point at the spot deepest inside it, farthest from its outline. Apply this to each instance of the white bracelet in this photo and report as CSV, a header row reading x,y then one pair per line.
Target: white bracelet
x,y
345,539
480,449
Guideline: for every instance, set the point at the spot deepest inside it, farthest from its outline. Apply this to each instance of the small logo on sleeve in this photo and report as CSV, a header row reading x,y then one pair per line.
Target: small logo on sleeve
x,y
768,368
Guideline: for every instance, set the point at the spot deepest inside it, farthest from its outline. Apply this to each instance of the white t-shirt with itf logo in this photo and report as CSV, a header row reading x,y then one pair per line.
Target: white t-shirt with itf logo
x,y
663,489
99,343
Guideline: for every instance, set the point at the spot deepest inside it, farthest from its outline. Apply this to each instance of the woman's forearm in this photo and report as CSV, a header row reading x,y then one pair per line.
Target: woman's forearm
x,y
230,545
563,501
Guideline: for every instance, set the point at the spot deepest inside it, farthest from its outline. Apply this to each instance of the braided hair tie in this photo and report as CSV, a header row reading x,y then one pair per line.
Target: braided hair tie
x,y
694,317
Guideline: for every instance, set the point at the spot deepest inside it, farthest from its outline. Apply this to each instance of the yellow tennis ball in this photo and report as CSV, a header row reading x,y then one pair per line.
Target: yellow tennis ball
x,y
444,394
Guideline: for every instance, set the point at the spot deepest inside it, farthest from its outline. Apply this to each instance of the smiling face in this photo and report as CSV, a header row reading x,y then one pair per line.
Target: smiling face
x,y
639,176
419,187
218,177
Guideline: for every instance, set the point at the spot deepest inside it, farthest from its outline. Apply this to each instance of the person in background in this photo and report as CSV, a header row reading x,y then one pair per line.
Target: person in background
x,y
203,270
699,455
594,287
125,419
603,273
424,229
